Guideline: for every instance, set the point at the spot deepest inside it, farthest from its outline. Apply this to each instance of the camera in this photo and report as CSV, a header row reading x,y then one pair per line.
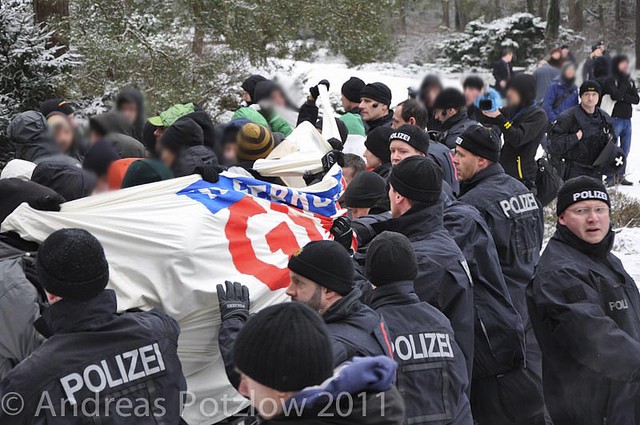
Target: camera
x,y
485,104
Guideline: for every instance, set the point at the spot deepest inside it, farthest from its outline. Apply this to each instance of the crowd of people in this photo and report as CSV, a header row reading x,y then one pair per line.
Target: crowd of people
x,y
447,312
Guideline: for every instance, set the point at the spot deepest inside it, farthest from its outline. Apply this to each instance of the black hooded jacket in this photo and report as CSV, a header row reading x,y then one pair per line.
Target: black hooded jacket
x,y
185,138
622,90
133,95
111,122
69,181
585,310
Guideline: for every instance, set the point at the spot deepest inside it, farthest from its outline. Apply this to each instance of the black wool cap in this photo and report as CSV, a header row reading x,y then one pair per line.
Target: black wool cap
x,y
418,179
525,85
285,347
56,105
365,190
390,258
481,141
377,143
249,85
99,157
590,85
352,88
182,134
580,189
412,135
378,92
450,98
473,81
71,264
326,263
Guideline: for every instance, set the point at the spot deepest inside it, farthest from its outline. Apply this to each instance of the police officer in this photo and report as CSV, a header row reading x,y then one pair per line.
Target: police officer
x,y
126,366
443,280
423,341
322,277
583,137
515,220
585,310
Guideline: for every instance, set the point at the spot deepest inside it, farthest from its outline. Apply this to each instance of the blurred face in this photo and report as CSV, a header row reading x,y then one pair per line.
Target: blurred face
x,y
570,73
471,94
129,110
371,110
565,52
158,133
267,401
443,114
358,212
401,150
306,291
432,94
513,97
277,97
589,99
230,152
102,185
623,67
588,220
62,132
602,48
508,57
467,164
597,52
556,55
246,96
167,156
372,160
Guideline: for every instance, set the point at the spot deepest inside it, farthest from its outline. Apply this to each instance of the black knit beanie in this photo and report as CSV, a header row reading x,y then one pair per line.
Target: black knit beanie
x,y
378,92
285,347
418,179
71,264
412,135
99,157
525,85
365,190
145,171
579,189
390,258
377,143
182,134
450,98
326,263
249,85
481,141
590,85
352,88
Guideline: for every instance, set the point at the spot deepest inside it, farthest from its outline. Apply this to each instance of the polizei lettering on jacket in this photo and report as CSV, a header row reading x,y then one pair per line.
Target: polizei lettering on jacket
x,y
519,204
123,368
427,345
586,195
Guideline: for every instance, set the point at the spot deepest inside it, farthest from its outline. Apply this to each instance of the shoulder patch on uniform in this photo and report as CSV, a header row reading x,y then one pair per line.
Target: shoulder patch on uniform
x,y
575,294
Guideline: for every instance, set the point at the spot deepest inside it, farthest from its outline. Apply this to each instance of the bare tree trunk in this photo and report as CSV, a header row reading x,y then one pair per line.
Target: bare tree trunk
x,y
461,16
198,42
531,7
55,14
553,21
576,8
403,17
445,13
497,13
618,11
542,8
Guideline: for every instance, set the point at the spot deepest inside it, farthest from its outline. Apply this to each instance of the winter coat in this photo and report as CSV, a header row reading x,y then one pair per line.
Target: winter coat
x,y
522,131
453,128
515,219
585,310
443,279
212,136
273,122
21,302
133,95
545,75
34,141
383,170
353,396
111,122
353,121
136,354
385,121
432,374
443,156
622,90
559,97
126,146
191,158
502,71
580,154
69,181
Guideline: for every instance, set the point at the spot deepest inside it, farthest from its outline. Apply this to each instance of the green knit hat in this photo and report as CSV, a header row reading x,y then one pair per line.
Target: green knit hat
x,y
173,114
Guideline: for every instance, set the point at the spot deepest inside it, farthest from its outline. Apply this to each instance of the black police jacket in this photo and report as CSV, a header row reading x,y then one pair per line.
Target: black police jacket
x,y
499,331
443,277
515,219
127,362
432,374
585,310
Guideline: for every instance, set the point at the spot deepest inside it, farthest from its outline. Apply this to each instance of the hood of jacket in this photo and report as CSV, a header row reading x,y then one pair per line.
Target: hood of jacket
x,y
32,137
69,181
212,137
111,122
14,191
191,158
133,95
126,146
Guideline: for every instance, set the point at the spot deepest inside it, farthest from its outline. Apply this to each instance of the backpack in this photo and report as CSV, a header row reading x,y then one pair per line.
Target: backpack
x,y
548,181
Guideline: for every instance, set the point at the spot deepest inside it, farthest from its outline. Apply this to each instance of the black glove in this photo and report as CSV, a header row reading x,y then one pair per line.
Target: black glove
x,y
336,144
47,203
342,232
234,302
331,158
315,92
209,173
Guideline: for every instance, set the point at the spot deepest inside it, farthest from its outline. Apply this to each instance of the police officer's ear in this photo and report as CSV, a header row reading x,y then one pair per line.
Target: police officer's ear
x,y
561,219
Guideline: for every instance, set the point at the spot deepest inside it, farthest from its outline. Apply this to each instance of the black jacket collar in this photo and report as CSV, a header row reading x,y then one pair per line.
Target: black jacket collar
x,y
490,171
344,307
448,124
417,223
396,293
598,250
67,316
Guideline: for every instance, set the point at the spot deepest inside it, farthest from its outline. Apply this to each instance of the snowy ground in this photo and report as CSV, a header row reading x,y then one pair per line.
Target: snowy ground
x,y
298,76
